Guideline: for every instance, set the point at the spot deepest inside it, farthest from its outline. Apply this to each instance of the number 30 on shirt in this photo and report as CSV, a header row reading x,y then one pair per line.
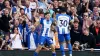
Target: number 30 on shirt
x,y
63,23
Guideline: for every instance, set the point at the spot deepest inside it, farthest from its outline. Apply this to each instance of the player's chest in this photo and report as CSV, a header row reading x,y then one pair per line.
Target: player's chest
x,y
47,23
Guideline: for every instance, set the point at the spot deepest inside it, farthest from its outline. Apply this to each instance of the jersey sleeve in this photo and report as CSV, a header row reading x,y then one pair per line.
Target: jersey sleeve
x,y
69,18
57,16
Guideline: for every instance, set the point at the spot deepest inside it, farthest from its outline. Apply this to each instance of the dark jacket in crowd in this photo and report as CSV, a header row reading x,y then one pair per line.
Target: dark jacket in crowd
x,y
96,33
75,34
4,23
1,6
90,40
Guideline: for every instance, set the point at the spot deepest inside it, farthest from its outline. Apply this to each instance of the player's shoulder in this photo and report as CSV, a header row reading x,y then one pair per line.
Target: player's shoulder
x,y
66,15
61,14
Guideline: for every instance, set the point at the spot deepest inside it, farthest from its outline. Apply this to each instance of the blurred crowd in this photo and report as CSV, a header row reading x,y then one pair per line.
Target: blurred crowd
x,y
18,18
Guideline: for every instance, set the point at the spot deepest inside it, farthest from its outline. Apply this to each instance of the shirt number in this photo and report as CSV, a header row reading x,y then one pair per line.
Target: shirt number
x,y
47,31
63,23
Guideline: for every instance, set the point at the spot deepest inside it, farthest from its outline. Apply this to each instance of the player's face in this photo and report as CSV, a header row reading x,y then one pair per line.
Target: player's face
x,y
48,16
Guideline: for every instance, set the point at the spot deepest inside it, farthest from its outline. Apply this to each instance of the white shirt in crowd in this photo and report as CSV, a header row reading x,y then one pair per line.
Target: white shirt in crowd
x,y
16,43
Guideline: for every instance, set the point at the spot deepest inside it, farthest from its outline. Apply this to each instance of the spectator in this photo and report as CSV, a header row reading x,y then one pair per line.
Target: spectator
x,y
56,7
85,6
95,13
1,4
27,9
32,39
16,40
22,28
6,43
5,20
97,3
76,31
76,46
23,15
33,4
7,5
86,21
88,38
77,3
95,29
73,12
42,4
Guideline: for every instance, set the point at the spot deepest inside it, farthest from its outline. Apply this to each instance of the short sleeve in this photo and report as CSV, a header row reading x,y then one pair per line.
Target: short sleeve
x,y
57,16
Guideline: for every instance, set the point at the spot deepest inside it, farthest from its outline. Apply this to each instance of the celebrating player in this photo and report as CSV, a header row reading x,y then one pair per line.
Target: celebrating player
x,y
45,35
63,21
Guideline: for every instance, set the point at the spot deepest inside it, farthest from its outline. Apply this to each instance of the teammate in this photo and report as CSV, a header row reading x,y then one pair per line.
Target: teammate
x,y
45,35
63,23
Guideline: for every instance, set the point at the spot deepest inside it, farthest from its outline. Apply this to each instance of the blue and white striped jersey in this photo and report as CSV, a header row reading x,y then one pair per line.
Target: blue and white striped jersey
x,y
46,25
63,21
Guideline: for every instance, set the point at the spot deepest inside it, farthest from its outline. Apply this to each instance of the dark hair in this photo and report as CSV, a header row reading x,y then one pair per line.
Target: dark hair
x,y
63,9
33,10
86,28
14,28
46,13
76,21
21,9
